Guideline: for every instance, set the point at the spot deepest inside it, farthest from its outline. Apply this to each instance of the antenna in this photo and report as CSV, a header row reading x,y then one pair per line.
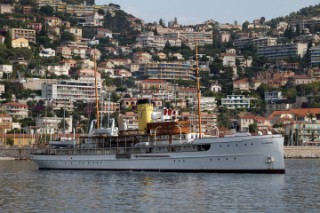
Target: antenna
x,y
96,90
198,88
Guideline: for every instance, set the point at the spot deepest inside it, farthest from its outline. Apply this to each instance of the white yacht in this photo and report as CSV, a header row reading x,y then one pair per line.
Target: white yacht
x,y
167,145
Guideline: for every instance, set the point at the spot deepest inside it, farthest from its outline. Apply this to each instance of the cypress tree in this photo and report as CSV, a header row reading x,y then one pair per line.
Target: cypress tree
x,y
8,40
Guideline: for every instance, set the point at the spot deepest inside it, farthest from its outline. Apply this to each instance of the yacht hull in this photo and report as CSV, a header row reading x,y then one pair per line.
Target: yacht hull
x,y
260,154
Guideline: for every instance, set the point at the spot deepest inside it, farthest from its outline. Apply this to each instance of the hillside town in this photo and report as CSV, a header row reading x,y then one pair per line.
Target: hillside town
x,y
258,76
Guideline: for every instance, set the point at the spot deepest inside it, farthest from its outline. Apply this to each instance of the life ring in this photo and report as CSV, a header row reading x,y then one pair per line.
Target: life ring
x,y
269,159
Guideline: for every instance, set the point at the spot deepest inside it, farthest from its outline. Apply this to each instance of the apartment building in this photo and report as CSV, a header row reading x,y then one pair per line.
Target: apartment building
x,y
6,8
314,73
151,86
6,68
103,33
20,43
242,42
94,19
247,118
315,56
208,122
50,125
246,84
52,21
48,52
15,109
274,95
283,50
262,41
302,79
166,70
70,89
28,34
35,26
150,40
229,60
2,89
76,31
57,104
5,123
301,126
131,120
236,102
184,92
79,10
58,69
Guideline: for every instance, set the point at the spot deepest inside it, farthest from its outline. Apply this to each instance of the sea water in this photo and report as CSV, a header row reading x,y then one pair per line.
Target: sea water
x,y
24,188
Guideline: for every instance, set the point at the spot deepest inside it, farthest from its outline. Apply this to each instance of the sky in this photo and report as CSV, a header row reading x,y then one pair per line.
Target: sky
x,y
198,11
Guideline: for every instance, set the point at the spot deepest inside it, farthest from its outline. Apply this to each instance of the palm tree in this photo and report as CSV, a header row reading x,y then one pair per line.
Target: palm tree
x,y
63,125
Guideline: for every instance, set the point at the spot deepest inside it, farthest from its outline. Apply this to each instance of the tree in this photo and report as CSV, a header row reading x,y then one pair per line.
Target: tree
x,y
245,26
8,40
161,22
9,141
262,20
63,125
175,20
46,10
101,12
67,36
253,128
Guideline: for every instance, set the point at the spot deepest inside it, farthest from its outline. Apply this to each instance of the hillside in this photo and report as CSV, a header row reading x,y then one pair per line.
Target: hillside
x,y
304,13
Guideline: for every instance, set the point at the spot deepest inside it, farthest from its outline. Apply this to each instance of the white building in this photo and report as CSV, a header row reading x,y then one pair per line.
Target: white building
x,y
6,68
275,95
70,89
229,60
59,69
50,125
2,89
236,102
48,52
315,56
94,20
76,31
16,110
283,50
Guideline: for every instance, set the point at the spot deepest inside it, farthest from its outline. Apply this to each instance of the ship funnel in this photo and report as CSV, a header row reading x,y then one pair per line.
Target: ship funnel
x,y
145,109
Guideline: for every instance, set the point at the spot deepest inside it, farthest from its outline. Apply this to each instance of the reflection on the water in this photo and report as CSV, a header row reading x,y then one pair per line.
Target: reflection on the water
x,y
24,188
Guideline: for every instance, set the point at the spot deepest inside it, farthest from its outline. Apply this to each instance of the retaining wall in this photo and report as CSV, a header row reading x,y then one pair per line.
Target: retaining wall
x,y
302,152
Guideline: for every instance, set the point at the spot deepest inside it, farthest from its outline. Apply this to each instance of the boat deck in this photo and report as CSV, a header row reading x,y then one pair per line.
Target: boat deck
x,y
124,150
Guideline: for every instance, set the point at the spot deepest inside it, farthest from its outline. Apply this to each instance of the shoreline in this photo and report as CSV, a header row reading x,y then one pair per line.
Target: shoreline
x,y
300,152
290,152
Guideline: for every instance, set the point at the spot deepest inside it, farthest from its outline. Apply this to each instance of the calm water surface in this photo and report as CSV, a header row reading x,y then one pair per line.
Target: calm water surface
x,y
24,188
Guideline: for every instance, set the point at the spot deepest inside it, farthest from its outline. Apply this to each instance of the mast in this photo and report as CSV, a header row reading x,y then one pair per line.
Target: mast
x,y
198,88
96,90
